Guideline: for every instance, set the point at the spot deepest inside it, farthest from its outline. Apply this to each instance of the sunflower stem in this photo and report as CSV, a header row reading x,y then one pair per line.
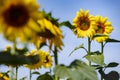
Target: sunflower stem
x,y
11,73
102,51
12,68
30,74
56,60
16,72
89,49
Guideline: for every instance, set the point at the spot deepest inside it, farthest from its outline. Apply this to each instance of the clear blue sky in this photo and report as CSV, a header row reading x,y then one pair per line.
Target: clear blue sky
x,y
66,10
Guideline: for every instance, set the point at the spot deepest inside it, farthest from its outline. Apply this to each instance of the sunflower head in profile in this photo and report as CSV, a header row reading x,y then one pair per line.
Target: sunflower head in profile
x,y
51,33
104,27
18,19
84,24
3,76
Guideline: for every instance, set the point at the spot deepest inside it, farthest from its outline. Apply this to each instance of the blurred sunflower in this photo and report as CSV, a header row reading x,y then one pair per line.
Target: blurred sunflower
x,y
40,61
44,59
84,24
103,27
47,61
18,19
38,41
51,33
4,76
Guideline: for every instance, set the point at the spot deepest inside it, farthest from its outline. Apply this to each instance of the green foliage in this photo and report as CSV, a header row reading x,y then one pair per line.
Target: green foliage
x,y
77,70
16,60
45,76
95,57
112,64
36,72
78,47
112,40
24,78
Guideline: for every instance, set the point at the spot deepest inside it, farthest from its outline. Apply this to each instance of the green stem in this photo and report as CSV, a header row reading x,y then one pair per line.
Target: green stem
x,y
11,73
30,74
12,68
16,72
102,48
89,49
102,51
55,56
56,60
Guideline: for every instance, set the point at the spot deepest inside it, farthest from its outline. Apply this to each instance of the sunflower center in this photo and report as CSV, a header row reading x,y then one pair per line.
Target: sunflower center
x,y
84,24
46,34
16,15
46,60
100,29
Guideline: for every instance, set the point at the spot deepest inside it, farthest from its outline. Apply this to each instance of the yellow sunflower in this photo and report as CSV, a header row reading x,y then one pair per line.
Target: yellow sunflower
x,y
103,27
84,24
39,63
38,41
18,19
44,59
4,76
50,33
47,61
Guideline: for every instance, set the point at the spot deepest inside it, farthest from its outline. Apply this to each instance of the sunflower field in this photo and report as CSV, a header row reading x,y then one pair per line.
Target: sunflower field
x,y
23,23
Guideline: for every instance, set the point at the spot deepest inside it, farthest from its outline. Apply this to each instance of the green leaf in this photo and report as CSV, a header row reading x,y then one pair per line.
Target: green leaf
x,y
24,78
76,48
85,72
21,51
112,64
67,24
96,57
61,71
113,75
45,77
36,72
15,60
77,70
112,40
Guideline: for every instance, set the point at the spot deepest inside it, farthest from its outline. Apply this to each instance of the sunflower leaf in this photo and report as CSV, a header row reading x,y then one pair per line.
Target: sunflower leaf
x,y
112,64
77,70
112,40
76,48
24,78
36,72
45,76
96,57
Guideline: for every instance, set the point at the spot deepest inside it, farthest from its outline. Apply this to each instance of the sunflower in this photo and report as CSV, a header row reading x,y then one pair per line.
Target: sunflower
x,y
51,33
47,61
104,27
44,59
38,41
4,76
40,61
18,19
84,24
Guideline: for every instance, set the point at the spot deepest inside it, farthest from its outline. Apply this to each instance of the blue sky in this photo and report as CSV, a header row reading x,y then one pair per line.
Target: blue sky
x,y
66,10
